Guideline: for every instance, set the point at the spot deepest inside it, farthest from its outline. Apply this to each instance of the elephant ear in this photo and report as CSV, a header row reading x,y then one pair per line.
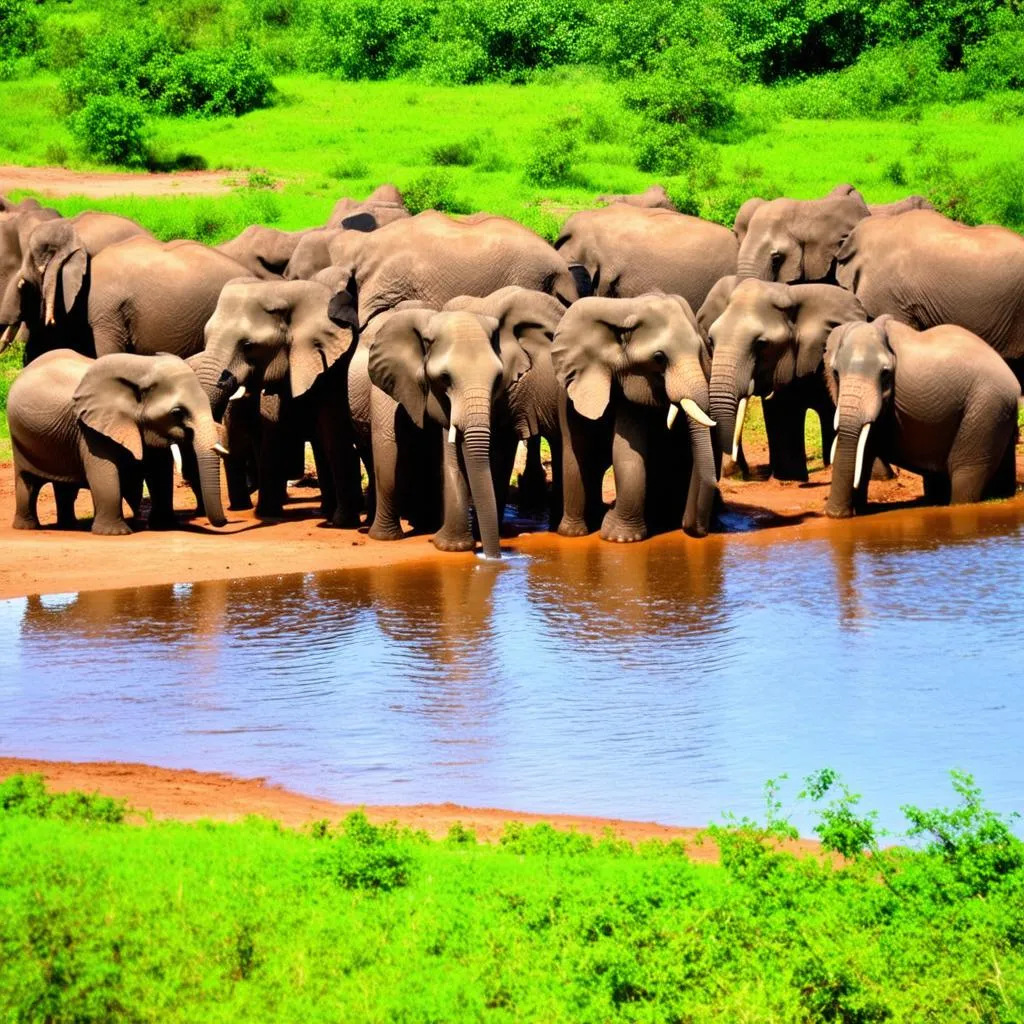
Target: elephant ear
x,y
743,215
316,343
108,399
824,235
67,268
814,321
833,344
717,299
396,359
587,351
360,222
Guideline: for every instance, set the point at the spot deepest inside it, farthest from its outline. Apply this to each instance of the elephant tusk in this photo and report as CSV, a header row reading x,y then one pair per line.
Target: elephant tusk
x,y
737,434
240,393
673,412
750,389
176,455
695,412
451,434
220,449
835,444
768,397
21,283
862,443
835,421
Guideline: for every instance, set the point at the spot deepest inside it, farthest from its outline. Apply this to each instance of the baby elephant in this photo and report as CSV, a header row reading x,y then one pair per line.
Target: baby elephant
x,y
80,422
941,403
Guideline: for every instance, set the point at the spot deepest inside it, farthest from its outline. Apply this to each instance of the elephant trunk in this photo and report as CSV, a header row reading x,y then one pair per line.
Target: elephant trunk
x,y
850,466
218,382
10,314
476,453
732,382
754,262
204,439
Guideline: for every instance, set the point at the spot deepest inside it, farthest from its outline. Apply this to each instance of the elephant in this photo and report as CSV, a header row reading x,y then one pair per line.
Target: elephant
x,y
433,258
927,270
79,422
290,340
628,366
450,372
884,209
654,198
624,251
16,226
264,252
55,264
768,339
938,402
383,205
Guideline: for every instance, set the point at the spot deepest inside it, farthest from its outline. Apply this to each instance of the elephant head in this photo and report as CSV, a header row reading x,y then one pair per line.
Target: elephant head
x,y
271,335
153,401
652,349
766,337
792,240
452,367
860,368
16,230
53,269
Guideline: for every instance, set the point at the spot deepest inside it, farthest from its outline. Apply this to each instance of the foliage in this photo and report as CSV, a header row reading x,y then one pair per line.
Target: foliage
x,y
19,33
112,130
211,83
556,150
433,190
252,921
26,796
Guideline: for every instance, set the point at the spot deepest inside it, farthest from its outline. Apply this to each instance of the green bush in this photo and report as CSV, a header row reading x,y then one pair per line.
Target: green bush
x,y
997,62
112,130
26,796
367,856
455,154
554,154
433,190
19,28
212,83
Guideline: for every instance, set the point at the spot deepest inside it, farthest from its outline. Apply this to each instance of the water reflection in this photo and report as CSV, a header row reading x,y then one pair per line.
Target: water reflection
x,y
664,680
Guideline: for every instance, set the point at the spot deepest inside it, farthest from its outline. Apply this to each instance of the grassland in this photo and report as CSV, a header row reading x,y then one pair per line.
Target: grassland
x,y
104,921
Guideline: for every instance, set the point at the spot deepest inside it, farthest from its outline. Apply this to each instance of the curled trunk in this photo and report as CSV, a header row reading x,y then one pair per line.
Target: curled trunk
x,y
204,439
476,453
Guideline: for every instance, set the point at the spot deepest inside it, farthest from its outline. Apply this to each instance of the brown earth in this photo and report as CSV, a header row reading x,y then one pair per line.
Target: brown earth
x,y
190,796
58,181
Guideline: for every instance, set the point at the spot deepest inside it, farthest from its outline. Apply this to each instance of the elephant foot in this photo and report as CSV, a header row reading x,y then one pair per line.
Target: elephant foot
x,y
162,521
881,470
240,505
620,532
377,532
111,528
839,513
26,523
573,528
791,476
344,521
64,524
273,513
695,529
453,542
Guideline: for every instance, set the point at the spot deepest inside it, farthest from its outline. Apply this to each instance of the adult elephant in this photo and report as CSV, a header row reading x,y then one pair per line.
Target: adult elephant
x,y
629,366
769,340
264,252
383,206
653,198
938,402
448,371
82,422
288,339
926,270
434,258
624,251
16,227
52,279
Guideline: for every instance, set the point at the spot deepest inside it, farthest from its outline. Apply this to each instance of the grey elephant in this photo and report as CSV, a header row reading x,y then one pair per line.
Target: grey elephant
x,y
938,402
629,367
80,422
768,340
434,258
884,209
52,286
927,270
16,226
450,372
623,251
264,252
382,206
290,340
653,198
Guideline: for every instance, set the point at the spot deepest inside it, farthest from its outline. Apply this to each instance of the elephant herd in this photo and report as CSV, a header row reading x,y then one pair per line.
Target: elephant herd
x,y
426,348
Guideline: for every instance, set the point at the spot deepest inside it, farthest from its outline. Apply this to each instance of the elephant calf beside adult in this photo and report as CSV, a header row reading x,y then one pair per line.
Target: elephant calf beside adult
x,y
769,340
79,422
629,366
938,402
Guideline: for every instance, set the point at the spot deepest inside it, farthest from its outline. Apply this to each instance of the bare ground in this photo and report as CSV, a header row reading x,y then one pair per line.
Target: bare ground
x,y
59,181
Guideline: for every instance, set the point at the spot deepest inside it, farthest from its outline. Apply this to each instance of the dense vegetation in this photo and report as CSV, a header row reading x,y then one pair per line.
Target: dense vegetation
x,y
100,920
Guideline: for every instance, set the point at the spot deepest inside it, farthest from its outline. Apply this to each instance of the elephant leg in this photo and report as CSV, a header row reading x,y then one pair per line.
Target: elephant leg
x,y
273,469
784,425
324,479
339,445
1003,483
455,534
532,484
26,497
967,482
104,479
557,502
503,460
241,428
236,472
937,489
66,495
586,454
158,470
625,522
386,524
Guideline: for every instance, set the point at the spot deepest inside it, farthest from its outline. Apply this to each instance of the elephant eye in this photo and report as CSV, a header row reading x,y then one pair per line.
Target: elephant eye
x,y
248,345
886,377
760,344
660,359
179,411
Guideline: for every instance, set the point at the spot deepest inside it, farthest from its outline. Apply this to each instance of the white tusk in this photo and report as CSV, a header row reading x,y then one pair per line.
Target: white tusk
x,y
768,397
835,422
240,393
176,455
21,283
673,412
862,443
750,390
451,434
220,449
10,333
737,434
835,444
695,412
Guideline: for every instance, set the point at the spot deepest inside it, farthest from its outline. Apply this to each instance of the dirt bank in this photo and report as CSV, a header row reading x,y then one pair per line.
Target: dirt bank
x,y
189,796
58,181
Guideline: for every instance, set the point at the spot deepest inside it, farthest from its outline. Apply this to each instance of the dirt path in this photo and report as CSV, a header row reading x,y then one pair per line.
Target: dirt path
x,y
58,181
189,796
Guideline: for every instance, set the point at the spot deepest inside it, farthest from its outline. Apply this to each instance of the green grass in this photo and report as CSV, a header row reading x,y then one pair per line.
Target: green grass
x,y
104,921
326,138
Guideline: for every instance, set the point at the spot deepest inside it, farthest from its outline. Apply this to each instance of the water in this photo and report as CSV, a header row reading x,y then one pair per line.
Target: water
x,y
660,681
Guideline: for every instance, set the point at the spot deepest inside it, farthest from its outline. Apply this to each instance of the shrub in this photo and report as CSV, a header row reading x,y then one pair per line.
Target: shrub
x,y
997,62
554,154
211,83
27,796
455,62
455,154
66,45
112,130
350,167
433,190
367,856
895,173
19,28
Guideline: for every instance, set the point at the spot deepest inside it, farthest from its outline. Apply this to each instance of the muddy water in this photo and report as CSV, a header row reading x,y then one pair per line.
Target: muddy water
x,y
666,680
